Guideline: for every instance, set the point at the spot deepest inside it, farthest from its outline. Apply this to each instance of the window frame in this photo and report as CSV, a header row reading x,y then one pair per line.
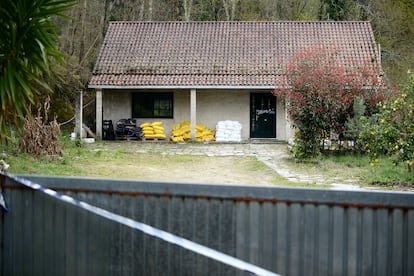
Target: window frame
x,y
153,96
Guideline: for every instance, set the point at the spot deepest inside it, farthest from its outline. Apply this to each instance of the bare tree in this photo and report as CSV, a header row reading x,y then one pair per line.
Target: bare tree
x,y
230,9
188,4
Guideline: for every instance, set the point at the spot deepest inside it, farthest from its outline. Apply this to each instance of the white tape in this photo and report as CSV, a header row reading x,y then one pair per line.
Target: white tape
x,y
166,236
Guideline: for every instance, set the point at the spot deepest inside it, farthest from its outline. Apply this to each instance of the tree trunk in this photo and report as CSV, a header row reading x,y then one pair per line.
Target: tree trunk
x,y
150,2
188,4
226,9
83,38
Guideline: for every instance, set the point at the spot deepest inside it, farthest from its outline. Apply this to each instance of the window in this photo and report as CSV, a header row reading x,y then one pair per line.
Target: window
x,y
152,105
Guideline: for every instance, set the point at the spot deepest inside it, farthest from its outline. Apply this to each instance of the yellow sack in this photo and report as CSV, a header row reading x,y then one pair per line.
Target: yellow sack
x,y
157,135
150,136
177,139
156,124
200,127
186,128
183,123
145,125
158,128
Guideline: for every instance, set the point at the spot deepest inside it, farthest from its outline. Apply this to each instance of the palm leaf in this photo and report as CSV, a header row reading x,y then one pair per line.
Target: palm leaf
x,y
28,46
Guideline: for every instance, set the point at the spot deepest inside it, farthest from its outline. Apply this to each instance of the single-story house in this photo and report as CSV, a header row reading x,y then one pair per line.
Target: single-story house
x,y
207,72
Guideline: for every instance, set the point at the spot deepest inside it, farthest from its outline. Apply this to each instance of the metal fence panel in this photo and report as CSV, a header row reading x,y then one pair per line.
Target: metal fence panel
x,y
290,231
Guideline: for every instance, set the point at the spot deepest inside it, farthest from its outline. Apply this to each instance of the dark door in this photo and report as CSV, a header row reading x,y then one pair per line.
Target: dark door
x,y
262,115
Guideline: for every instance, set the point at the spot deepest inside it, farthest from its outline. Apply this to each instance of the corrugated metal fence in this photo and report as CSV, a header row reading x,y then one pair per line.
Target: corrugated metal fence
x,y
290,231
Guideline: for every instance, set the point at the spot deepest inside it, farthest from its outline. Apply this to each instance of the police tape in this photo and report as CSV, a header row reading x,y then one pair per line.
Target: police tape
x,y
155,232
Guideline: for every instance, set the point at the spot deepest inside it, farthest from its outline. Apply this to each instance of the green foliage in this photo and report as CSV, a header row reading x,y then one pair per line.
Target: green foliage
x,y
306,142
391,131
393,24
336,9
320,94
28,48
352,125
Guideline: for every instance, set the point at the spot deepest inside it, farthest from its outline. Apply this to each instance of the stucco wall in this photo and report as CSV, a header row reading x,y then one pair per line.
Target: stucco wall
x,y
116,105
212,106
281,121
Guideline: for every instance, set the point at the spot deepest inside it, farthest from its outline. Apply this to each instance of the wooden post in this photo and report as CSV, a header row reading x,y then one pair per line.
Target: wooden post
x,y
78,114
81,113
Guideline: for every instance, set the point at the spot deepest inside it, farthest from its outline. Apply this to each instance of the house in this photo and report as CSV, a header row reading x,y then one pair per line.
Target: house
x,y
207,72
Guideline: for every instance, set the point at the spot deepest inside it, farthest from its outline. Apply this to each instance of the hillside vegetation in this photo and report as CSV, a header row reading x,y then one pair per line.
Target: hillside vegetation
x,y
81,38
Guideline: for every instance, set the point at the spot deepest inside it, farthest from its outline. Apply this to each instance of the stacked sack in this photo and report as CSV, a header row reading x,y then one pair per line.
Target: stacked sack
x,y
153,130
204,134
228,131
182,132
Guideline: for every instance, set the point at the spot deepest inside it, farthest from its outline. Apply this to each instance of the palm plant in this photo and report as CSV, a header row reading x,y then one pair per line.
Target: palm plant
x,y
28,48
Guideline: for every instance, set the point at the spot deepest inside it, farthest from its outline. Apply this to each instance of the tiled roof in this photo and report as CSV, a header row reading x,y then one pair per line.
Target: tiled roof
x,y
194,54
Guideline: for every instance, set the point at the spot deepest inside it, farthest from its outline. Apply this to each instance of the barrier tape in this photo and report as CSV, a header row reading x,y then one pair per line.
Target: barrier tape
x,y
166,236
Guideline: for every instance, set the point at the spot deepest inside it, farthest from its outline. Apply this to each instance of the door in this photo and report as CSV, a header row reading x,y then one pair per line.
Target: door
x,y
262,115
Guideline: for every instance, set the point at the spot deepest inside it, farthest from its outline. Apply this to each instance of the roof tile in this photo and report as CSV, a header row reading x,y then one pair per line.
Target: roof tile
x,y
219,53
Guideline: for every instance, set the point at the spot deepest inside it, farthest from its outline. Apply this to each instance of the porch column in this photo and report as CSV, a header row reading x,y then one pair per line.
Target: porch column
x,y
193,112
99,113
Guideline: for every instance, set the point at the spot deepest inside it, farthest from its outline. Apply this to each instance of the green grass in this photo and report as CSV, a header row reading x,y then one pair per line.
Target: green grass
x,y
122,160
119,161
358,169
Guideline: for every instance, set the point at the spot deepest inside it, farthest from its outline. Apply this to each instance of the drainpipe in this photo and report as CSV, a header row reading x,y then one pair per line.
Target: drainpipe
x,y
193,112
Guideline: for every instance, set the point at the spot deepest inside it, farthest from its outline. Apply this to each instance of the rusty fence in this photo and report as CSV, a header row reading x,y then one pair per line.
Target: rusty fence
x,y
291,231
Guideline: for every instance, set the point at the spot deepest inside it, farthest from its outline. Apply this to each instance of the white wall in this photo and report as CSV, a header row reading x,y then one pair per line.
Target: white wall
x,y
116,105
212,106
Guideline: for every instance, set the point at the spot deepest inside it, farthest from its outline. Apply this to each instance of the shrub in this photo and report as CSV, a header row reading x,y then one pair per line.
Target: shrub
x,y
320,92
39,137
391,131
353,125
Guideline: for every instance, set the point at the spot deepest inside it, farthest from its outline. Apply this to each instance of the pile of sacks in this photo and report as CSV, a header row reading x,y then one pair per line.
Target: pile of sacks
x,y
228,131
182,132
153,130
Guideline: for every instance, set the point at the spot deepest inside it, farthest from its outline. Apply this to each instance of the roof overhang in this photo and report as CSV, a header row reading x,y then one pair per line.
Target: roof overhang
x,y
189,87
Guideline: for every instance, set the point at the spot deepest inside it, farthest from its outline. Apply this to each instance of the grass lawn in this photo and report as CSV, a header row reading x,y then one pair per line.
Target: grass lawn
x,y
97,160
123,161
357,167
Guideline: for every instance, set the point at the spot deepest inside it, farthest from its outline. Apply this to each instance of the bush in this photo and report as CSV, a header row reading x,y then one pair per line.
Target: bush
x,y
391,131
39,137
320,92
353,125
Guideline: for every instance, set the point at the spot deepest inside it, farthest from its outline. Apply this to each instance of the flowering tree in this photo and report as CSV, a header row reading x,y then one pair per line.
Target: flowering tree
x,y
391,131
319,93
